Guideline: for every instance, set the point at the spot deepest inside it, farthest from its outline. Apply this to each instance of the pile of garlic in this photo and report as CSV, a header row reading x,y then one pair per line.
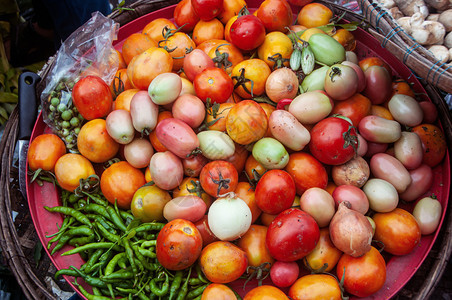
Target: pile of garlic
x,y
429,22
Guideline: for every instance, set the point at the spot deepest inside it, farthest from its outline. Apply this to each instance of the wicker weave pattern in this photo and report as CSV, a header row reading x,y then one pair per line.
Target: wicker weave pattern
x,y
391,36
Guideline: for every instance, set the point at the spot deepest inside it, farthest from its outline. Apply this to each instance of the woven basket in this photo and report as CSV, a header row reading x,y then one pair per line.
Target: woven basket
x,y
18,237
391,36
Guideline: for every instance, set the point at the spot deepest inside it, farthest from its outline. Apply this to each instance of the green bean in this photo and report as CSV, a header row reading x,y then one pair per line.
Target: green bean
x,y
70,212
103,245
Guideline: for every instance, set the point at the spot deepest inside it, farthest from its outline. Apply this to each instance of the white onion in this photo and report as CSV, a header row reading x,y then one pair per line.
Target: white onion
x,y
229,217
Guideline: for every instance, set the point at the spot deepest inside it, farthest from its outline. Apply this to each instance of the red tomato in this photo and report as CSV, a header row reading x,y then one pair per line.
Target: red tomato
x,y
218,177
207,235
333,141
213,83
253,243
184,15
207,9
223,262
398,230
284,274
341,82
364,275
92,97
247,32
179,245
276,15
292,235
275,191
306,171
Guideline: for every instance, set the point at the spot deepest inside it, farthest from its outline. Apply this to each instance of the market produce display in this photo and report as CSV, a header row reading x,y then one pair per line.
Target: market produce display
x,y
235,154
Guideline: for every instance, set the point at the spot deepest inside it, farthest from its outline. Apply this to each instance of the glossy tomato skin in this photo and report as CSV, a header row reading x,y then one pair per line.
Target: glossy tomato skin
x,y
207,9
433,143
92,97
275,191
398,230
179,245
315,286
333,141
184,15
213,83
70,168
276,15
306,171
253,243
218,177
265,292
292,235
247,32
355,108
44,151
364,275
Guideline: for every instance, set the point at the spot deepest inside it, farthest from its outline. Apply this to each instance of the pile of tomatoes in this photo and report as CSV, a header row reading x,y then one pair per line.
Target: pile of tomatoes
x,y
245,132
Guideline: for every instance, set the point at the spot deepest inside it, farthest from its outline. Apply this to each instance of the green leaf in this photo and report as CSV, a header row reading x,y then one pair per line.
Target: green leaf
x,y
3,113
37,253
6,97
134,224
9,107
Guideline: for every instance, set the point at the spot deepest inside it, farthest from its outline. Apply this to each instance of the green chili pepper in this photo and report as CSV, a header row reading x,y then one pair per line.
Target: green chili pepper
x,y
148,244
141,258
107,224
118,275
103,245
96,198
150,226
125,215
80,241
113,263
159,291
93,281
81,230
92,260
200,274
135,292
90,296
130,255
147,252
70,212
177,280
196,292
106,234
68,272
116,219
98,209
184,288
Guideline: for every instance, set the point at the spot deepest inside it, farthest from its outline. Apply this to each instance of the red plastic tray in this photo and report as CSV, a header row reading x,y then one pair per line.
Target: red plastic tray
x,y
399,268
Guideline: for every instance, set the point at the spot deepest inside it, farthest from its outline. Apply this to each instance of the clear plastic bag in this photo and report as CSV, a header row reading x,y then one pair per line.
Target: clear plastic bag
x,y
87,51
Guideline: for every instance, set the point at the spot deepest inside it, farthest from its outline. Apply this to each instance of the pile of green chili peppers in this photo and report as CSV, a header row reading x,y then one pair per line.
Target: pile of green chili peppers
x,y
119,253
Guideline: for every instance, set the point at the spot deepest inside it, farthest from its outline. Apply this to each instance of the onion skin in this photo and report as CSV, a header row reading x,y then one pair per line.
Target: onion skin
x,y
281,83
350,231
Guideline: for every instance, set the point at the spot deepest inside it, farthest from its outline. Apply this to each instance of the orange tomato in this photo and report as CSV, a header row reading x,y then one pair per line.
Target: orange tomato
x,y
222,262
147,175
374,61
148,203
225,54
324,253
276,15
253,243
400,86
70,168
227,28
121,63
177,46
314,15
218,113
249,77
191,186
433,143
144,67
276,45
218,291
246,122
95,143
119,182
120,83
266,218
309,32
231,8
398,230
315,286
185,16
44,151
135,44
207,30
364,275
265,292
156,144
306,171
154,29
355,108
239,157
122,101
253,169
345,38
245,191
378,110
268,108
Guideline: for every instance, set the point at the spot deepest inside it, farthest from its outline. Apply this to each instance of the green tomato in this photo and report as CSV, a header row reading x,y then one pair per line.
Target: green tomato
x,y
315,80
270,153
165,88
326,49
